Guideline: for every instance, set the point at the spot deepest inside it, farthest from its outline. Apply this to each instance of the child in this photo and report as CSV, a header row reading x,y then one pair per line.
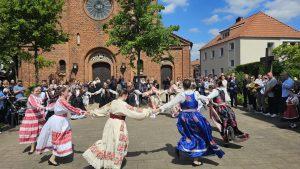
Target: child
x,y
291,113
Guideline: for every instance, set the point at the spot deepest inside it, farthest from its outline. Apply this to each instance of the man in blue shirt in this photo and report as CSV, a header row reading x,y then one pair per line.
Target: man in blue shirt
x,y
2,105
19,90
287,86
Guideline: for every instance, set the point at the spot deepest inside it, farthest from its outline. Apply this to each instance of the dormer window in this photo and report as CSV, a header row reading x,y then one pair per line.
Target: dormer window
x,y
225,34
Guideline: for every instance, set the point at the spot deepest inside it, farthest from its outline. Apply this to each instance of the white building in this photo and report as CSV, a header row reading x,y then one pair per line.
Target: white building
x,y
245,42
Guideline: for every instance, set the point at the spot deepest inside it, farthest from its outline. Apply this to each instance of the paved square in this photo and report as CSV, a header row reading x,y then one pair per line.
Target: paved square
x,y
272,145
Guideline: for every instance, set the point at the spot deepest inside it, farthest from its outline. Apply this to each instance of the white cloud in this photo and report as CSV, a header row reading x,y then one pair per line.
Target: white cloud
x,y
228,17
213,19
239,7
214,32
194,30
284,10
171,5
195,50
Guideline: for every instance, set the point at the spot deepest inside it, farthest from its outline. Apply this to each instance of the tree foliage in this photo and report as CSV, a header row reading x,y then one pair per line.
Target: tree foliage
x,y
30,24
138,28
289,58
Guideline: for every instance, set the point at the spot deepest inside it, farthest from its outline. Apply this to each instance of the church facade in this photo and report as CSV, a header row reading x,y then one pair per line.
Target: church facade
x,y
85,56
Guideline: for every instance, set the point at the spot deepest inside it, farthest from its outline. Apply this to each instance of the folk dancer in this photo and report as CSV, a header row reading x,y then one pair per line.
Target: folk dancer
x,y
33,121
224,117
110,151
196,132
56,135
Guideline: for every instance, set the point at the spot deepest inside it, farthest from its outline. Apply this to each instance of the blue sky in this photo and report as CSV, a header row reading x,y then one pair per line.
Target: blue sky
x,y
201,20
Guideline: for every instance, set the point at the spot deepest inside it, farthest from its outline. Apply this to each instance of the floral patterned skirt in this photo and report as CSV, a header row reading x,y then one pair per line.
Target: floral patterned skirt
x,y
112,149
196,136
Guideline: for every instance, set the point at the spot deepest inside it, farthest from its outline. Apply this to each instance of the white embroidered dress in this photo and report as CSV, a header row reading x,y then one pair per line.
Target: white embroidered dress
x,y
111,150
56,135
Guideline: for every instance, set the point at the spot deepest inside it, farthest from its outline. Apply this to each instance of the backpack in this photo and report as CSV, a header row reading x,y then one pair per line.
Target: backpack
x,y
222,95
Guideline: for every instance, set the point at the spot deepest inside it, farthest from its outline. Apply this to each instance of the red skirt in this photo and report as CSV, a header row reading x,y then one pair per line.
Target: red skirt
x,y
291,112
31,126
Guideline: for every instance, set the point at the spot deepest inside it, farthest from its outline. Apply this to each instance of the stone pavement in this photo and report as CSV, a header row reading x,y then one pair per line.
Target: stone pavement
x,y
271,146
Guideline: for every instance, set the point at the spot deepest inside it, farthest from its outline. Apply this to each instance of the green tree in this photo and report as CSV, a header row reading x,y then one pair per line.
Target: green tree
x,y
288,58
138,28
32,25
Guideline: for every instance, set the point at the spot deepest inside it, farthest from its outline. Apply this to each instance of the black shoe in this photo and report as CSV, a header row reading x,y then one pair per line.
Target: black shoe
x,y
50,163
177,153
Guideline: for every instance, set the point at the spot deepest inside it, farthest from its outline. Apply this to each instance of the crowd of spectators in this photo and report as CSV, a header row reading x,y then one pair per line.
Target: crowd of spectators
x,y
262,94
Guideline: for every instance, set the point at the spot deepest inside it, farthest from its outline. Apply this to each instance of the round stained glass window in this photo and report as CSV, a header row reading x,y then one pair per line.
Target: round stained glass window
x,y
98,9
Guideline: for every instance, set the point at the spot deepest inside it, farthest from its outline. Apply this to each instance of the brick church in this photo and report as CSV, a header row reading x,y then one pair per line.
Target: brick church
x,y
85,56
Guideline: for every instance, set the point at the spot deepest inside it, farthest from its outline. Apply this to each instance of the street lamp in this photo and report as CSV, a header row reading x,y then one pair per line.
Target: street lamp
x,y
123,68
75,68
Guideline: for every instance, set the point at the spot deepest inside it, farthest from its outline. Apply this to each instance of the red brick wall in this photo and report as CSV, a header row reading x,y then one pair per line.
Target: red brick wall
x,y
92,39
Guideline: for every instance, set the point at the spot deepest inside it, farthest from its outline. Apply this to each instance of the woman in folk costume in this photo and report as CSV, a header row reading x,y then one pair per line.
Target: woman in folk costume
x,y
223,116
112,149
172,92
56,135
154,96
291,113
196,132
33,121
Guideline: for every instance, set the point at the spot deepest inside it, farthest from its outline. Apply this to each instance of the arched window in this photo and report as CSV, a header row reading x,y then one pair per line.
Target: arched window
x,y
140,65
62,66
78,39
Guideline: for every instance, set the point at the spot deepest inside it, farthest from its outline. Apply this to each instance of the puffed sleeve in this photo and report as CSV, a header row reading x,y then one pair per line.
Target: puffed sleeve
x,y
135,113
103,111
178,99
70,108
213,94
34,103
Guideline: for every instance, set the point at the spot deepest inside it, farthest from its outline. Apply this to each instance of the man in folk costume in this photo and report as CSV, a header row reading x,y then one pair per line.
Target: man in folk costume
x,y
33,121
56,135
110,151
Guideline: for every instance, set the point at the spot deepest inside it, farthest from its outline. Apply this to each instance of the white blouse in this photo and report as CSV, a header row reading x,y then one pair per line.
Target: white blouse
x,y
180,98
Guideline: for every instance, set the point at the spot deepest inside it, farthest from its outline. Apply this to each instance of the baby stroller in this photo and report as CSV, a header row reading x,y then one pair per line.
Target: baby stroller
x,y
224,119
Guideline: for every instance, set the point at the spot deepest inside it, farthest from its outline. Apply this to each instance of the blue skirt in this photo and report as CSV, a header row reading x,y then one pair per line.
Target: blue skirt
x,y
196,140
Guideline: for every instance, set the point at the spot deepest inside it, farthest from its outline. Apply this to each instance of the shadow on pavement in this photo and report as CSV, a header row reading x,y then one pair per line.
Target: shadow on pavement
x,y
231,145
277,122
170,149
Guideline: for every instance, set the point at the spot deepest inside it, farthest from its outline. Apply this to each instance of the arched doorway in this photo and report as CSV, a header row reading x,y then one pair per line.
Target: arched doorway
x,y
166,71
101,70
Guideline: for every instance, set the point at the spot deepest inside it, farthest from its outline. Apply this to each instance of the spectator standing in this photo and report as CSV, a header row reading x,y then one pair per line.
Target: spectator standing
x,y
2,106
270,89
1,86
19,90
246,81
224,81
11,86
260,93
233,91
252,89
287,86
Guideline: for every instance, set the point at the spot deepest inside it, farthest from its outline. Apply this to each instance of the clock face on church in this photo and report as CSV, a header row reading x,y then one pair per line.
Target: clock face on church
x,y
98,9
